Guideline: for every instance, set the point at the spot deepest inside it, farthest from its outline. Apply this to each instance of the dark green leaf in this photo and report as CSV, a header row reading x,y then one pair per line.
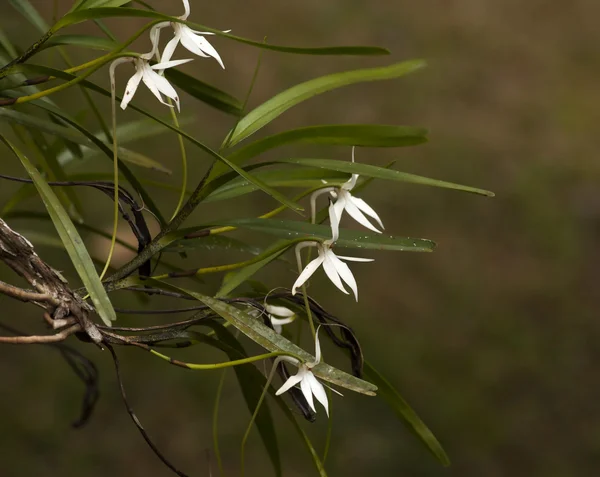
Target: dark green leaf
x,y
278,104
72,241
268,190
268,339
92,14
25,8
393,398
290,229
204,92
83,4
305,178
367,135
252,383
382,173
86,41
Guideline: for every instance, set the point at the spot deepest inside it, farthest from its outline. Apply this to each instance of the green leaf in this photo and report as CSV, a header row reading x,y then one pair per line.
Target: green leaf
x,y
30,13
382,173
251,382
141,160
204,92
213,242
268,339
235,279
126,132
268,190
95,13
13,116
86,41
149,202
402,409
305,178
294,230
72,241
83,4
367,135
278,104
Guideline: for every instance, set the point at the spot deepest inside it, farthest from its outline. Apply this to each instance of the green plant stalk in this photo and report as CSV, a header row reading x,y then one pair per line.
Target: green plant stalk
x,y
255,413
226,364
184,164
235,266
215,426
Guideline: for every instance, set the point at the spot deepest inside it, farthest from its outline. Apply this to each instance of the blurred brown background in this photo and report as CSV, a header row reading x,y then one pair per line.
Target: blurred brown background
x,y
493,338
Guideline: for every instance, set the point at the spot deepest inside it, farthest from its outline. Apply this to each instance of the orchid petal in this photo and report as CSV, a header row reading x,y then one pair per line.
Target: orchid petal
x,y
335,215
163,65
344,272
318,390
279,310
281,321
158,84
366,208
357,215
331,269
305,386
355,259
317,347
290,383
308,272
170,47
199,45
131,88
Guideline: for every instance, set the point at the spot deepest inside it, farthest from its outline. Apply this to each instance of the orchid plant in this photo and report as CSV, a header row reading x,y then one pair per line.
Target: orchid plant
x,y
51,137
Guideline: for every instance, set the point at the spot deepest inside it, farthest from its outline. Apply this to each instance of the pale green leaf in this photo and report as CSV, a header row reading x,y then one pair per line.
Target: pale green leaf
x,y
278,104
72,241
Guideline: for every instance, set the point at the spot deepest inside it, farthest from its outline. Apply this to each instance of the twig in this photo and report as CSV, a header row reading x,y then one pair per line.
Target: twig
x,y
135,419
40,339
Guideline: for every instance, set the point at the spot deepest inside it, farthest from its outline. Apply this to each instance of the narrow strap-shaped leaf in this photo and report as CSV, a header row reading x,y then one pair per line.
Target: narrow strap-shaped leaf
x,y
72,241
86,41
95,13
300,177
402,409
278,104
382,173
251,383
204,92
83,4
268,339
294,230
25,8
367,135
278,196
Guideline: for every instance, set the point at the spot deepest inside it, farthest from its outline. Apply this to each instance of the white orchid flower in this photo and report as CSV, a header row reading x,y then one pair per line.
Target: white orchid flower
x,y
344,200
309,384
191,40
335,269
145,72
279,316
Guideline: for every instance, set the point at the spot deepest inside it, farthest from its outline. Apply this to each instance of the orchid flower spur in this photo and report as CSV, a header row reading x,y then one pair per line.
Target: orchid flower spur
x,y
145,72
279,316
344,200
335,269
309,384
191,40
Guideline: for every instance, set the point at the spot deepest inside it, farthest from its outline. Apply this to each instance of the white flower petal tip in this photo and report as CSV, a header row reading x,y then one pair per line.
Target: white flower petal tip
x,y
309,385
156,83
192,41
279,316
343,200
337,271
